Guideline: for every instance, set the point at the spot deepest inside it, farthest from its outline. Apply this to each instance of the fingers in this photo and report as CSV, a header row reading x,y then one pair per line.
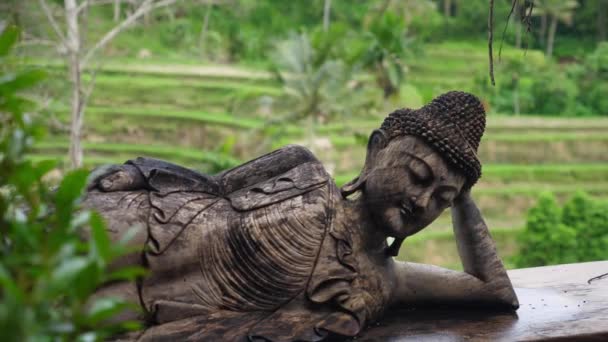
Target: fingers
x,y
99,173
119,180
116,178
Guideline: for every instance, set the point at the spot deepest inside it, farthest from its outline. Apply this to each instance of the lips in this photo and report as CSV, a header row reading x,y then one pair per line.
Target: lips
x,y
405,210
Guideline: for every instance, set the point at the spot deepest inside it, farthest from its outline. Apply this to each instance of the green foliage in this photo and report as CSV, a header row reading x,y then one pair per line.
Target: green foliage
x,y
589,218
470,18
592,78
48,272
577,233
545,88
316,85
387,45
423,20
553,92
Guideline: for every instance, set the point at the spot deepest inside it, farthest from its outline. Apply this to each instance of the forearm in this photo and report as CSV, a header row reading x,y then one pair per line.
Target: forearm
x,y
475,245
477,249
423,285
484,281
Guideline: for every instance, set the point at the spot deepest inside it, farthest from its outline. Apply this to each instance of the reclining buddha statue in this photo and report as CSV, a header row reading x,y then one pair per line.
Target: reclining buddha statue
x,y
273,250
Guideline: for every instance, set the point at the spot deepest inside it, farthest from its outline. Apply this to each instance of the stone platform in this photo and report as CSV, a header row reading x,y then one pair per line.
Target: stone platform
x,y
564,302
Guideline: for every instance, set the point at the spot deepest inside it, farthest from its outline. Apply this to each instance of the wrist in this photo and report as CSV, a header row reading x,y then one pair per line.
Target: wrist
x,y
463,197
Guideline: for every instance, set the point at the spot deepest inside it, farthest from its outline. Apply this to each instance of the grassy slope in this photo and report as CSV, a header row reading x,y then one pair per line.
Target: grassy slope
x,y
141,93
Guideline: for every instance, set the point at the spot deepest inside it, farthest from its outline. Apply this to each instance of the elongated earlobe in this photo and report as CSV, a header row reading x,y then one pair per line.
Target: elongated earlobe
x,y
352,186
377,141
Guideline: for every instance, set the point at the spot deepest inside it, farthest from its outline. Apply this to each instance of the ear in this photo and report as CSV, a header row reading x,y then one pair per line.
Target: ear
x,y
377,141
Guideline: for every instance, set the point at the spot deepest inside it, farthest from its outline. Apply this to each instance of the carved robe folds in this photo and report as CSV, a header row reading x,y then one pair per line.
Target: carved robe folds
x,y
231,260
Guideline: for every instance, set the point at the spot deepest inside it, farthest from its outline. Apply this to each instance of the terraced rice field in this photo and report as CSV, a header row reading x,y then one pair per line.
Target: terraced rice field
x,y
186,114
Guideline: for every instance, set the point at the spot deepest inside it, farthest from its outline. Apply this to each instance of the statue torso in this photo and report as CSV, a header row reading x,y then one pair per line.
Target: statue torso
x,y
284,249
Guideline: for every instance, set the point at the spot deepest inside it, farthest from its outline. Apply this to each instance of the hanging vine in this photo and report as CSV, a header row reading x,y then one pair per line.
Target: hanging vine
x,y
524,7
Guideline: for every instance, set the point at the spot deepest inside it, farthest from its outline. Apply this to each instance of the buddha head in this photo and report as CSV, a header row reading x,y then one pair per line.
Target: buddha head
x,y
419,161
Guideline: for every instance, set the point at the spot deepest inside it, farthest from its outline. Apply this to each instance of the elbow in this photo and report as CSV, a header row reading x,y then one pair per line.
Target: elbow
x,y
506,298
513,302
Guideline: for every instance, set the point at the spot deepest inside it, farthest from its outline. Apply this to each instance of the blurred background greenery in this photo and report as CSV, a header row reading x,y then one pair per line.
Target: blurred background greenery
x,y
211,83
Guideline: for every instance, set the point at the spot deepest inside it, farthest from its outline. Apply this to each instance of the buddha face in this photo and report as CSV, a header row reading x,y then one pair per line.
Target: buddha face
x,y
408,185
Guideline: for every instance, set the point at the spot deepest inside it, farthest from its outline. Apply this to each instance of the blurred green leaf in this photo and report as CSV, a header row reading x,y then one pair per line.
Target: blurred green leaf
x,y
100,241
69,191
104,308
65,275
47,271
43,167
8,38
20,81
9,287
127,273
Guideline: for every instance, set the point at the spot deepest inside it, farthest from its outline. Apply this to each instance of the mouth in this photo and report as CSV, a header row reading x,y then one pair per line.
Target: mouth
x,y
406,211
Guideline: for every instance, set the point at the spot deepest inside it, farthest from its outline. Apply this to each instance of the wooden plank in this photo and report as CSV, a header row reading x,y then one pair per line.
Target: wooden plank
x,y
557,303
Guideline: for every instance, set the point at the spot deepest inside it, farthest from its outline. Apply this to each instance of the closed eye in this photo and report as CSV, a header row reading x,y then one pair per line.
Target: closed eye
x,y
420,171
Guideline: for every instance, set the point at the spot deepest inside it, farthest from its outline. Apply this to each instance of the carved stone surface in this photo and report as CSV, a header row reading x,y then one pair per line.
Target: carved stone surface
x,y
272,250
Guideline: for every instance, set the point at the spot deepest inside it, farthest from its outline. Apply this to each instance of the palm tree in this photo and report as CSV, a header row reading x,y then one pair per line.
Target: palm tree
x,y
314,85
556,11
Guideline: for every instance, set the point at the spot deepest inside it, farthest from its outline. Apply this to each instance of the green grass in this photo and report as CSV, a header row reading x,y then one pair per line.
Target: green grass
x,y
439,247
560,173
533,189
145,81
222,119
162,151
495,125
89,161
140,67
344,141
545,173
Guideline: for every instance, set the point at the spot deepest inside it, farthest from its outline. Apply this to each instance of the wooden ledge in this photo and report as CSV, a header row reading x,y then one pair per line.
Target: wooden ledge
x,y
562,302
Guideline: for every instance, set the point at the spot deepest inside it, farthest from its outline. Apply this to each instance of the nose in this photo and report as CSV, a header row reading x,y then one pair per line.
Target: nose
x,y
421,201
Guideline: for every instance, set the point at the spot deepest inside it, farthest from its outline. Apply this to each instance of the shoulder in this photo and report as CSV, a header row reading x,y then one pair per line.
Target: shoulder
x,y
269,166
292,171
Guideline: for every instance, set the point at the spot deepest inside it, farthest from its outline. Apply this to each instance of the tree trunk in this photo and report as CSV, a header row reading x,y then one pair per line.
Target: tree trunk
x,y
602,25
551,37
543,29
73,49
15,9
116,10
203,37
82,18
326,11
518,25
447,8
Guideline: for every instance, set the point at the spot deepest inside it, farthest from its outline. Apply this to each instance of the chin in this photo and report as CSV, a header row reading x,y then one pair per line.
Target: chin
x,y
401,230
396,225
409,229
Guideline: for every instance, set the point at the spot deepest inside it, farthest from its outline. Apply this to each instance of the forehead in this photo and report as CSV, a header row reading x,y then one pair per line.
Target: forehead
x,y
401,150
